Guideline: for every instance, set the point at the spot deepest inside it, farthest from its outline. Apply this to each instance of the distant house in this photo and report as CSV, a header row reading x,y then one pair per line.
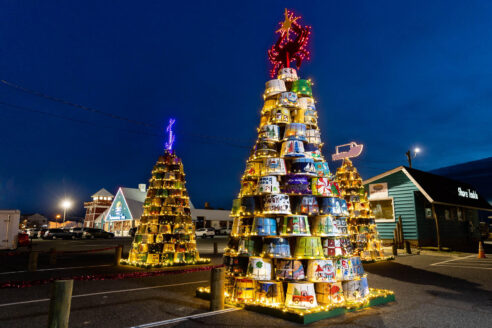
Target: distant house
x,y
34,220
125,211
101,201
433,208
211,218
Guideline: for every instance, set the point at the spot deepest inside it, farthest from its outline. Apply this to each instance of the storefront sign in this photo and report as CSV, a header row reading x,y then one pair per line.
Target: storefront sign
x,y
118,211
467,193
378,190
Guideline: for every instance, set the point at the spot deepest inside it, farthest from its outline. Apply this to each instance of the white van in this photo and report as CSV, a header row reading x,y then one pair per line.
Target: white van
x,y
9,228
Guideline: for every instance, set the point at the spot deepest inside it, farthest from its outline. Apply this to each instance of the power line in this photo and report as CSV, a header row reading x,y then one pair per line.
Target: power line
x,y
212,139
202,140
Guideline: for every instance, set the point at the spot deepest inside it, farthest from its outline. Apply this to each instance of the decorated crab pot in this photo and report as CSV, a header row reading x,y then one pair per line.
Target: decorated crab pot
x,y
331,247
287,99
238,265
295,131
244,290
344,269
308,247
268,185
248,246
259,268
322,169
274,87
310,118
295,184
341,223
303,166
248,187
334,206
292,148
265,149
306,103
269,132
357,266
289,270
280,115
253,169
352,291
276,247
295,225
250,205
321,271
305,205
270,292
273,166
313,151
302,88
269,104
324,226
313,136
276,204
287,74
329,293
264,226
300,295
324,187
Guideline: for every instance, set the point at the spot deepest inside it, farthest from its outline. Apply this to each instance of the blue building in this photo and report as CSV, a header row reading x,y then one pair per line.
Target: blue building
x,y
435,210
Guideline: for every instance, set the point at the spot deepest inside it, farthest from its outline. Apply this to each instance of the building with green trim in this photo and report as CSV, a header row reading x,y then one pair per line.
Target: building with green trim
x,y
435,211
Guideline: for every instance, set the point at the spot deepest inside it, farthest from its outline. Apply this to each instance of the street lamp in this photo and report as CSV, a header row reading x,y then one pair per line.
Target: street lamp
x,y
416,150
65,204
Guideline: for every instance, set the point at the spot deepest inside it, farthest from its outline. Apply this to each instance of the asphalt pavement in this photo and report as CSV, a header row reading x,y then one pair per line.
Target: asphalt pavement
x,y
431,291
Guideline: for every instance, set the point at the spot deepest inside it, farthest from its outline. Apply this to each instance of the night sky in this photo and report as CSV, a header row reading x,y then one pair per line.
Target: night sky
x,y
389,74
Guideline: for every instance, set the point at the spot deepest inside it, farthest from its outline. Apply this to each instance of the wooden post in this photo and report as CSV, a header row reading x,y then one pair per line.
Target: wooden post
x,y
61,299
395,249
217,280
32,264
52,256
216,251
407,247
438,234
400,232
117,254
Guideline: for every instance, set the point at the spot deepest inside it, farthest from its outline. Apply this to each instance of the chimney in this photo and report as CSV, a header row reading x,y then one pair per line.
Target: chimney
x,y
142,187
207,206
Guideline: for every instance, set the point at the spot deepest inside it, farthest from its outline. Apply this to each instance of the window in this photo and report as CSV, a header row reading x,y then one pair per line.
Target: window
x,y
383,209
447,214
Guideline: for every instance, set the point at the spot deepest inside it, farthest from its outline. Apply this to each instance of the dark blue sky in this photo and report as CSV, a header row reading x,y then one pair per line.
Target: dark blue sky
x,y
389,74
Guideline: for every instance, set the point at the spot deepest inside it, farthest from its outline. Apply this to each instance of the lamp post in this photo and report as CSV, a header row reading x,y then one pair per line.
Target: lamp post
x,y
416,150
65,204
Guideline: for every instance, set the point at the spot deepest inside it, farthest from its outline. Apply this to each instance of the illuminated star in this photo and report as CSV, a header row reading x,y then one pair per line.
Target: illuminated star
x,y
287,24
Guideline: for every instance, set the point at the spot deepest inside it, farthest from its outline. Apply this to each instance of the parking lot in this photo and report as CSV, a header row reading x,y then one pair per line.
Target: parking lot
x,y
431,291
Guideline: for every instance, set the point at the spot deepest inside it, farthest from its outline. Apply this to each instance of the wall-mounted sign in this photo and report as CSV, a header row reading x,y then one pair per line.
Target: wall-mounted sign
x,y
378,190
118,210
353,151
468,193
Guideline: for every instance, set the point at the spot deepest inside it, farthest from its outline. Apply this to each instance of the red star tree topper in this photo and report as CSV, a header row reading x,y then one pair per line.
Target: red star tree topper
x,y
286,50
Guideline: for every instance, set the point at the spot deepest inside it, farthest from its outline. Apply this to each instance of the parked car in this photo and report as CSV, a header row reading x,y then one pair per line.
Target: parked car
x,y
205,232
225,231
23,239
31,232
92,233
57,234
132,232
76,233
41,232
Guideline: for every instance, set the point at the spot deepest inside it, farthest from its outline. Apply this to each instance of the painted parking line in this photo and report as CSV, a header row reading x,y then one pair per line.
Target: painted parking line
x,y
452,260
108,292
467,262
194,316
63,268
